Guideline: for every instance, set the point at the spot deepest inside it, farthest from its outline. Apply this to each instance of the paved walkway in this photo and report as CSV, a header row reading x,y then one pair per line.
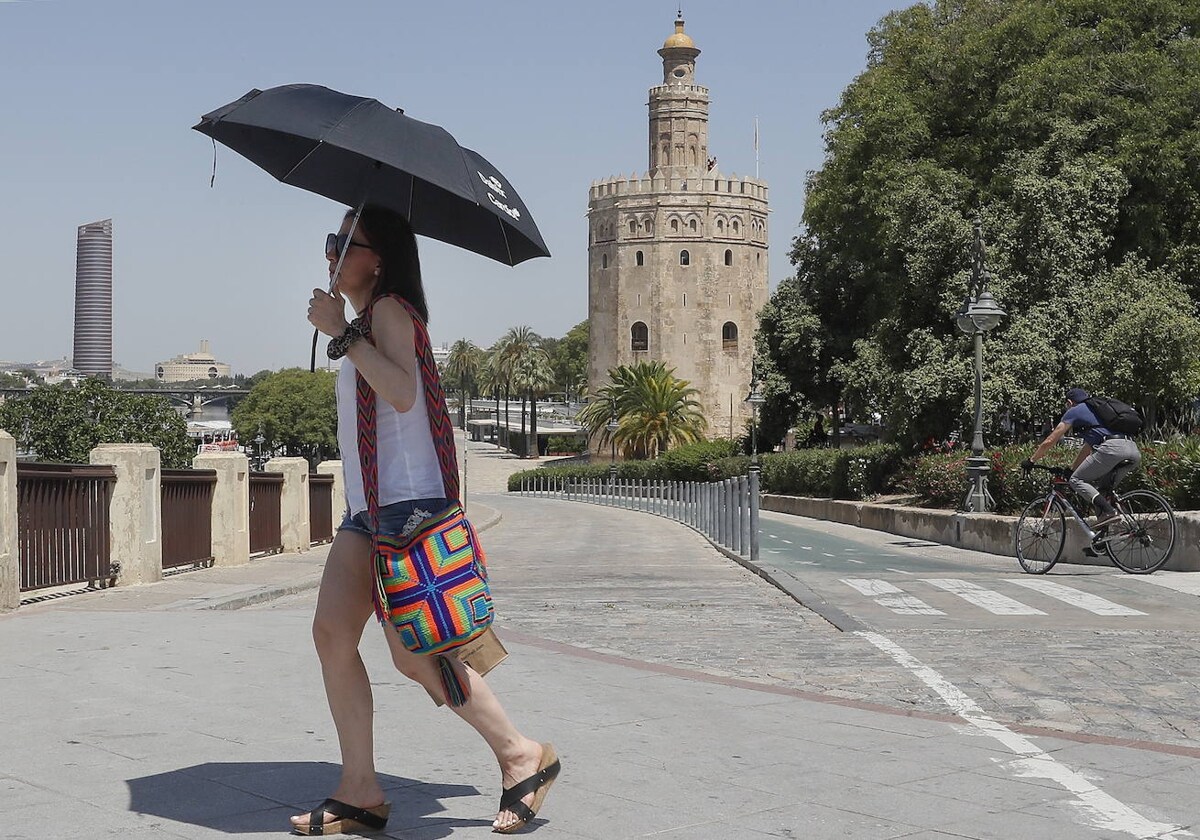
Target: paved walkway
x,y
687,697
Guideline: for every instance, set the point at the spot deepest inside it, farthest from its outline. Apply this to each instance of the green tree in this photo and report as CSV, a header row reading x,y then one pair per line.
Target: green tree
x,y
654,410
296,411
63,423
569,358
1068,126
462,372
1140,340
526,368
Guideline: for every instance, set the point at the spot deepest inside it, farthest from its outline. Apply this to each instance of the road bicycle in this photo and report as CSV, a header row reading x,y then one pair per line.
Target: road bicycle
x,y
1139,541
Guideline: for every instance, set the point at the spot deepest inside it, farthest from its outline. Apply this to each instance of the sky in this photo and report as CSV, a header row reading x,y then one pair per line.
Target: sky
x,y
98,98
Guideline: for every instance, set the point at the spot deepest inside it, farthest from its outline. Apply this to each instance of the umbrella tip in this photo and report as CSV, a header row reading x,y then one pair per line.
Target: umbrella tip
x,y
399,110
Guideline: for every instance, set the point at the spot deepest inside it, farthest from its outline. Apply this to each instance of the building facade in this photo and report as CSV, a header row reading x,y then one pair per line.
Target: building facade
x,y
202,365
93,299
677,258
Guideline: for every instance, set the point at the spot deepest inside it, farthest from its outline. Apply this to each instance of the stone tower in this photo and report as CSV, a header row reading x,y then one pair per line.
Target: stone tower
x,y
677,258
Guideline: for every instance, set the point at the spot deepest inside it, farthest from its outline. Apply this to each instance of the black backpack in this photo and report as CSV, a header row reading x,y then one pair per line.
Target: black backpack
x,y
1115,415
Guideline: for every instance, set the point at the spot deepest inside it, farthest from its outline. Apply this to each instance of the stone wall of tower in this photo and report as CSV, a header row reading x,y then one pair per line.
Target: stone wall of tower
x,y
721,222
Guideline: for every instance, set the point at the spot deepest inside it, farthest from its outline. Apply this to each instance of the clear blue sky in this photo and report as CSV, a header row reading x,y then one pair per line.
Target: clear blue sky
x,y
98,97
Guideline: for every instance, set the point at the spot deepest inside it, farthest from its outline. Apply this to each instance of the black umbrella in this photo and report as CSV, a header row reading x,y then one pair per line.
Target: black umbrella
x,y
359,151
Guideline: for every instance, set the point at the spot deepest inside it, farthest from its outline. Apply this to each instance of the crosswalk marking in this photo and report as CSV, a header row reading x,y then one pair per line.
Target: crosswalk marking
x,y
1075,597
1186,582
887,595
993,602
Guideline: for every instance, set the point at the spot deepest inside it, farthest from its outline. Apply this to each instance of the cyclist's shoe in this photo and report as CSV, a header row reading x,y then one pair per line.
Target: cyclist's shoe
x,y
1106,514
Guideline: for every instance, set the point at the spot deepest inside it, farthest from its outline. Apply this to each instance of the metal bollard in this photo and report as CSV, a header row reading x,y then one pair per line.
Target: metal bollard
x,y
754,514
744,513
735,494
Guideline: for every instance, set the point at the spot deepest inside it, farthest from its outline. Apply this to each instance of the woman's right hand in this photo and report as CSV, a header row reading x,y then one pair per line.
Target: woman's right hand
x,y
327,312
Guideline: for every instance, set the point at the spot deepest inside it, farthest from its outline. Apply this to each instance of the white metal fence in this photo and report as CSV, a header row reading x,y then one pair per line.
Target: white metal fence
x,y
726,512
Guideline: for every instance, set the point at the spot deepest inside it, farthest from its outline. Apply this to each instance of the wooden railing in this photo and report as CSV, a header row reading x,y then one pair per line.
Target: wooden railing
x,y
320,508
187,497
266,496
63,524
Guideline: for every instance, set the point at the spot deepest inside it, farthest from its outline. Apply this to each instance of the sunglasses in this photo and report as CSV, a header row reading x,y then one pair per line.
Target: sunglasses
x,y
336,243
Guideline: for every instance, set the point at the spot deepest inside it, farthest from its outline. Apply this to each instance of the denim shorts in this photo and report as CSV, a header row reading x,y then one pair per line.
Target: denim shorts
x,y
398,519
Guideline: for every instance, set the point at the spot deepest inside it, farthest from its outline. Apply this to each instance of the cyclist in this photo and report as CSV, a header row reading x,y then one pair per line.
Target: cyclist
x,y
1105,459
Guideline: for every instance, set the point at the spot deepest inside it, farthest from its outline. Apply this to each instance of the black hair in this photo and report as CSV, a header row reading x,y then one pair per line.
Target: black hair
x,y
392,237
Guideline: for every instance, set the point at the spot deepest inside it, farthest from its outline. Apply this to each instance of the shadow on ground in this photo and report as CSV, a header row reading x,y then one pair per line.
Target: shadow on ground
x,y
248,797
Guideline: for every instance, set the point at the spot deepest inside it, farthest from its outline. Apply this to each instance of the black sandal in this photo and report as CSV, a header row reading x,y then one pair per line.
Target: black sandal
x,y
349,819
510,798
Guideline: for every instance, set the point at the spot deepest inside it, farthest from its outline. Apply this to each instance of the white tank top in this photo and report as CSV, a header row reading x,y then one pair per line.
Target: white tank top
x,y
408,465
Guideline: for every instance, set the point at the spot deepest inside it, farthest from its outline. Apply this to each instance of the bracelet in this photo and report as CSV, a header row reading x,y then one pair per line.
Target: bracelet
x,y
339,346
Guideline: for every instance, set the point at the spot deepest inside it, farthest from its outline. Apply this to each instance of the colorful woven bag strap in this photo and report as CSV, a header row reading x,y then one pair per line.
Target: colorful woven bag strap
x,y
440,427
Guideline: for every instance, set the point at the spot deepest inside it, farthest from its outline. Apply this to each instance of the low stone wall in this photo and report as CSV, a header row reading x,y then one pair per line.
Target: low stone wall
x,y
976,532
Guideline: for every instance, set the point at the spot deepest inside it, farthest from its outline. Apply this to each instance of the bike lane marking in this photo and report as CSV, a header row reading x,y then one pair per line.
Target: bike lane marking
x,y
1101,810
890,596
1075,597
993,602
1185,582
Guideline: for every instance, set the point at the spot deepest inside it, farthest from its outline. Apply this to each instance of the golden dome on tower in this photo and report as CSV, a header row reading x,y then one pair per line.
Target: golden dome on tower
x,y
679,39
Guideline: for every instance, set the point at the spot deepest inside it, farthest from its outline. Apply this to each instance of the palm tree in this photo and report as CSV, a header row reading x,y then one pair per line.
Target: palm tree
x,y
463,366
654,410
533,376
492,381
517,344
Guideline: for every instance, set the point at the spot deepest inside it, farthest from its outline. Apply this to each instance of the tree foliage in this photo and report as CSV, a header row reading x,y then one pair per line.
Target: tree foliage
x,y
63,423
654,411
1072,129
296,411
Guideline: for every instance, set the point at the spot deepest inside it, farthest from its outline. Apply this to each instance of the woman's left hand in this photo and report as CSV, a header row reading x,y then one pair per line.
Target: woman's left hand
x,y
327,312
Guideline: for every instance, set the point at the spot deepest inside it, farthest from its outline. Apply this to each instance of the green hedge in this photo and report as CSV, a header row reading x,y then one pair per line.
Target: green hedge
x,y
705,461
839,473
1172,468
939,480
856,473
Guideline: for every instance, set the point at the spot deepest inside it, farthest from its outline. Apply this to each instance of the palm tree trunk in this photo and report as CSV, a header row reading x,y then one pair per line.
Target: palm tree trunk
x,y
531,449
506,396
524,437
497,416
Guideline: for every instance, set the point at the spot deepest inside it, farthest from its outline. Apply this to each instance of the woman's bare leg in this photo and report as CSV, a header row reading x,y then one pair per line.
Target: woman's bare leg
x,y
518,756
343,608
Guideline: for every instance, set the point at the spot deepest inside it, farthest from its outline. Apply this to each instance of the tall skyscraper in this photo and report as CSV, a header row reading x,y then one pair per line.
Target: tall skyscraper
x,y
93,299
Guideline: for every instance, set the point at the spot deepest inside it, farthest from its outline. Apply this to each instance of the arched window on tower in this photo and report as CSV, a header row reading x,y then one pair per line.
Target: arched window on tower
x,y
693,225
648,224
685,258
674,226
695,158
639,258
737,227
604,260
639,337
720,226
728,257
729,336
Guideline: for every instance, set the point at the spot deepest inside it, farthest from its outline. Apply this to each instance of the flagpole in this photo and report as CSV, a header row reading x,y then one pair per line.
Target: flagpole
x,y
756,147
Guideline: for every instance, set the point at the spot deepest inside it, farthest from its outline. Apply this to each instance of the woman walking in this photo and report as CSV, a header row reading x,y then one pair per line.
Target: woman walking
x,y
381,278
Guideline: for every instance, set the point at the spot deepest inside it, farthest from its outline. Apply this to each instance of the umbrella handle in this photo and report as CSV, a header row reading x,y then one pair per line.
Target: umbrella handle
x,y
312,361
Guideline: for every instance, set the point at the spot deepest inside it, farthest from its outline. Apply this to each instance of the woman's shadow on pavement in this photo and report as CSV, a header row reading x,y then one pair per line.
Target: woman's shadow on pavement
x,y
250,797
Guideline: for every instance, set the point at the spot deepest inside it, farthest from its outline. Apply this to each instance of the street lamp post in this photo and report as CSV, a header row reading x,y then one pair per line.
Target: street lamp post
x,y
259,440
612,427
978,314
755,398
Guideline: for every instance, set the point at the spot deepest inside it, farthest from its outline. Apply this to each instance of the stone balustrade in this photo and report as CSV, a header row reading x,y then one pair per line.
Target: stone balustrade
x,y
135,510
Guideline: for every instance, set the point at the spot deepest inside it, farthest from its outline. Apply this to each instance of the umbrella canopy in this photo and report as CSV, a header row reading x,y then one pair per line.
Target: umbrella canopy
x,y
356,150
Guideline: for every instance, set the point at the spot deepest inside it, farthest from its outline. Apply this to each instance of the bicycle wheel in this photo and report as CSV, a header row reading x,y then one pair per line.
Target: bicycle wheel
x,y
1041,534
1143,540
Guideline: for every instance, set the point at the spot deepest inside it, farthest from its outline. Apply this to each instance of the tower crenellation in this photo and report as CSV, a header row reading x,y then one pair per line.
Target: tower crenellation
x,y
677,256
